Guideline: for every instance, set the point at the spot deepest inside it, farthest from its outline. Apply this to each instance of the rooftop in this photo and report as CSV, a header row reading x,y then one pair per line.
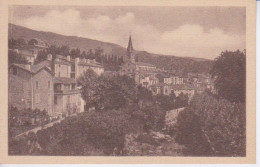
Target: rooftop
x,y
32,68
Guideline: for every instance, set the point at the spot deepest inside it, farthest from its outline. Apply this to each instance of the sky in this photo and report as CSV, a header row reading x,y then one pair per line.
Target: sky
x,y
201,32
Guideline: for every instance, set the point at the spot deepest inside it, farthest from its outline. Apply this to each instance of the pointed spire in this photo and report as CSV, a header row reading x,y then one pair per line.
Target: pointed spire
x,y
130,45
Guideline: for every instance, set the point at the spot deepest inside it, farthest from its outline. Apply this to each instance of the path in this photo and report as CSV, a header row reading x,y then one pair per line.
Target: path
x,y
35,130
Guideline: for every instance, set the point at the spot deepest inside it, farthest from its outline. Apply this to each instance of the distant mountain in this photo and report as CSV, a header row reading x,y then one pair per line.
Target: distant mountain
x,y
181,65
16,31
178,65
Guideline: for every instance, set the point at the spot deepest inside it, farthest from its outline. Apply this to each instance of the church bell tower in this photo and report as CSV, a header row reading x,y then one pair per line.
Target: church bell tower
x,y
130,51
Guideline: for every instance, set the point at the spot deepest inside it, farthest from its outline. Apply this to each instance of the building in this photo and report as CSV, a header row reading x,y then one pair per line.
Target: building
x,y
60,96
133,68
147,80
178,89
31,86
173,80
67,97
31,50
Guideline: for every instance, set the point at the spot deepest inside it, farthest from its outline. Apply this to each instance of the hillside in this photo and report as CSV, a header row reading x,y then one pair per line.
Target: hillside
x,y
173,63
178,65
16,31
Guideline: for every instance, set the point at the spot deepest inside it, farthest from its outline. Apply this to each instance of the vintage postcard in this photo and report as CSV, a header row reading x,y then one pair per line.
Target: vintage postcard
x,y
127,82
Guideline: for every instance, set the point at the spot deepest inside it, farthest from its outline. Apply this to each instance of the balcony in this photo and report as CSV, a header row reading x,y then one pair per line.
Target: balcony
x,y
66,91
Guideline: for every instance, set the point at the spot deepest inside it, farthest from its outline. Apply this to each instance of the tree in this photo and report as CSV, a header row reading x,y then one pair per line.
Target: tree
x,y
153,116
89,83
181,100
16,43
229,74
42,55
83,55
219,123
64,50
189,133
14,57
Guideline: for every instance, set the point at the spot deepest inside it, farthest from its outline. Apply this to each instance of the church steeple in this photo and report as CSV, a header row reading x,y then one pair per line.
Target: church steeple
x,y
130,45
130,50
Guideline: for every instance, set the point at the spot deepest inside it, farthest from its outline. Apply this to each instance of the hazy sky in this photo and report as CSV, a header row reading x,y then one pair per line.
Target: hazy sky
x,y
181,31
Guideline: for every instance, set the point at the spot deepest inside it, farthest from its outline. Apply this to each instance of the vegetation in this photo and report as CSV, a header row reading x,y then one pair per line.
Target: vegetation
x,y
178,65
77,135
229,73
106,92
14,57
25,119
112,51
216,124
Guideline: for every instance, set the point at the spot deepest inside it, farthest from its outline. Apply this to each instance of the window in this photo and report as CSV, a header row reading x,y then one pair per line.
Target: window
x,y
55,100
14,71
49,84
36,84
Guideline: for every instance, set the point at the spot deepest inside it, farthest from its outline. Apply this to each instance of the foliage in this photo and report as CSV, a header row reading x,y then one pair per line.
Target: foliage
x,y
24,119
14,57
86,134
171,102
229,73
106,92
89,83
221,122
189,133
178,65
16,43
110,62
153,116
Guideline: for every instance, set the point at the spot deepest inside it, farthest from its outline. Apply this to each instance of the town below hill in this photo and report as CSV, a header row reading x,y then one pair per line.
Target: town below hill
x,y
178,65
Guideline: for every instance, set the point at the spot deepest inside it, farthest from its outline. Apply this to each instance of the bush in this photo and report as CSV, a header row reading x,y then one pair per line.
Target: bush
x,y
221,123
99,131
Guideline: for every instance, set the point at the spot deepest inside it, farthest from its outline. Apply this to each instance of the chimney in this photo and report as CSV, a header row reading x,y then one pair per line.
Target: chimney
x,y
84,60
94,60
28,66
68,58
49,57
88,61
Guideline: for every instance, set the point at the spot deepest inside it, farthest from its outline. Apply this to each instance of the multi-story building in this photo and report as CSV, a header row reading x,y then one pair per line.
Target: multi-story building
x,y
64,97
173,80
31,86
67,97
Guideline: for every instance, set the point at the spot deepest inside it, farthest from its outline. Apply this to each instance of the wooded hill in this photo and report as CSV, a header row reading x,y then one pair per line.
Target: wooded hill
x,y
180,65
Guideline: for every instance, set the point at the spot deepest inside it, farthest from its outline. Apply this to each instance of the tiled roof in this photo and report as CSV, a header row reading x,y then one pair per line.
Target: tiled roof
x,y
64,80
33,68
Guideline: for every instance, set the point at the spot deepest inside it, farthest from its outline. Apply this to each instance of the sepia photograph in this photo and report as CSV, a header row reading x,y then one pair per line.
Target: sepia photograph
x,y
127,81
